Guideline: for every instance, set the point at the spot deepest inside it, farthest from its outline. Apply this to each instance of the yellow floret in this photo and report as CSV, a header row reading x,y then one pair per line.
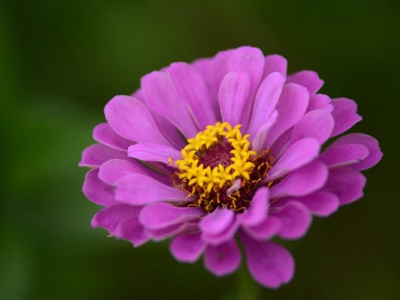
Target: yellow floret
x,y
196,175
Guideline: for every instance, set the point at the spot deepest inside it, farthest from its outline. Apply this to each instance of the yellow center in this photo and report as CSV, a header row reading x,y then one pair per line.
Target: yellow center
x,y
216,138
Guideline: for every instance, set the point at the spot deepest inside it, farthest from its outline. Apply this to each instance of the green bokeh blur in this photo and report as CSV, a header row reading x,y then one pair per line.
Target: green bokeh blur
x,y
61,61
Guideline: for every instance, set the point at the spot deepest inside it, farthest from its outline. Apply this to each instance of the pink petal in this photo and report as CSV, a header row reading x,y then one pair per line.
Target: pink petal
x,y
222,259
205,67
295,219
115,169
161,215
97,154
269,264
345,115
109,217
264,231
308,79
167,129
317,124
291,107
296,156
96,190
303,181
162,234
257,211
139,189
187,247
233,94
220,66
192,88
282,143
320,203
346,183
160,93
261,136
225,236
343,155
375,153
251,61
104,134
153,152
132,120
275,63
266,99
217,221
319,101
131,230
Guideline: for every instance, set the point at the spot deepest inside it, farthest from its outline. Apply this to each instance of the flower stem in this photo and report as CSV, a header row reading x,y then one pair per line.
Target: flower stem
x,y
247,288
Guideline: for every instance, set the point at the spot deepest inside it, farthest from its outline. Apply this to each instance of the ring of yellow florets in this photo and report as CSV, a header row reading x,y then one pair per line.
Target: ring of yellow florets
x,y
207,177
213,160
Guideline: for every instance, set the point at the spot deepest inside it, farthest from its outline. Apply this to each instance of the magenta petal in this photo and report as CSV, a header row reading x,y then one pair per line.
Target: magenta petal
x,y
317,124
265,102
205,67
232,96
250,60
115,169
259,140
187,247
295,219
192,88
275,63
220,66
375,153
320,203
308,79
264,231
282,143
217,221
109,217
345,115
132,120
153,152
139,189
225,236
346,183
161,215
302,181
222,259
342,155
111,171
296,156
160,93
131,230
269,264
97,154
104,134
257,211
161,234
319,101
291,107
96,190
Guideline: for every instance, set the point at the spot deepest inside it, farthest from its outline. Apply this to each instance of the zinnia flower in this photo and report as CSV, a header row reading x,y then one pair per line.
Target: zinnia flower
x,y
222,151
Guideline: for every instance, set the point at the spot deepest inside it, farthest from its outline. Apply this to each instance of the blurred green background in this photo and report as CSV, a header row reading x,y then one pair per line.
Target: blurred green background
x,y
61,61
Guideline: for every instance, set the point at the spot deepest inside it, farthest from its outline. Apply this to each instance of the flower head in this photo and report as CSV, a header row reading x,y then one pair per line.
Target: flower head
x,y
226,147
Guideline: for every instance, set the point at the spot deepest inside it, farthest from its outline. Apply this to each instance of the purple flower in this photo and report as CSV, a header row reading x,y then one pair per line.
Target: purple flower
x,y
226,150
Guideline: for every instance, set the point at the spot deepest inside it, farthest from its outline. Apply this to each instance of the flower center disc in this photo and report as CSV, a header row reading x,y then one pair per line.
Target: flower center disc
x,y
219,169
218,154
